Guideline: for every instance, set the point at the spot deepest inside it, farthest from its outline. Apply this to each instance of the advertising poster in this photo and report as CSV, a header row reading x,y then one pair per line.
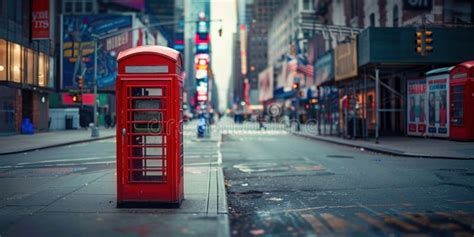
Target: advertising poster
x,y
438,122
416,103
78,48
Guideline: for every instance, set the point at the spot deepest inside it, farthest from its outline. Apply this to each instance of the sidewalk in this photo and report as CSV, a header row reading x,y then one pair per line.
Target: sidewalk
x,y
82,202
403,145
25,143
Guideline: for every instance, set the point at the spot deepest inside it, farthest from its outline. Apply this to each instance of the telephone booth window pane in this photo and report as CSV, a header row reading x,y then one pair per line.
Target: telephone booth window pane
x,y
147,146
457,108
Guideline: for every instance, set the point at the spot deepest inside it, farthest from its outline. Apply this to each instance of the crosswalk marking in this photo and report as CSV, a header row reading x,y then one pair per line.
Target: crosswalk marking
x,y
317,226
423,220
371,221
336,223
400,223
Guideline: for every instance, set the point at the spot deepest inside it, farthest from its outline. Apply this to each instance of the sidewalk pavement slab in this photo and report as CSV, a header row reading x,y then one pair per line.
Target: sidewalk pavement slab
x,y
83,203
25,143
403,146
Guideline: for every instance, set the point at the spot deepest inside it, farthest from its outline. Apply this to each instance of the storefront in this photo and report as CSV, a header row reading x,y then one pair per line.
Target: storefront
x,y
386,57
327,103
26,79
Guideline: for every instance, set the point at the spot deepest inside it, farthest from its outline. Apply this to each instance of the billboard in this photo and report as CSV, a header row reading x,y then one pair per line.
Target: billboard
x,y
78,48
438,111
40,20
416,93
265,84
324,68
345,61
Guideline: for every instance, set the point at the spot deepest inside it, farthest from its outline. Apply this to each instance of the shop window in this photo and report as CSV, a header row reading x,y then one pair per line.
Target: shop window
x,y
41,70
51,73
30,67
15,62
3,60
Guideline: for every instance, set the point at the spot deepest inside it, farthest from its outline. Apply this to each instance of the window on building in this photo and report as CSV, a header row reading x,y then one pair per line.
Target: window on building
x,y
88,7
51,72
41,70
306,5
78,7
372,19
395,16
30,67
15,62
354,8
67,7
3,60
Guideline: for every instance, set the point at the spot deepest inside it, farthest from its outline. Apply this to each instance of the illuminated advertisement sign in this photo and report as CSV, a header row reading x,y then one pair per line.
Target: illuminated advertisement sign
x,y
78,48
41,20
202,48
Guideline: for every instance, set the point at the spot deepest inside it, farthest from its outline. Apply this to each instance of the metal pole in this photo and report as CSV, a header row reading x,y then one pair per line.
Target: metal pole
x,y
377,105
95,129
354,112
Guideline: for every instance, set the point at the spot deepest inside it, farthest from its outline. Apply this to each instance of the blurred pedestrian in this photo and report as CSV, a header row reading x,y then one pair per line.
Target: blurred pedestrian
x,y
261,119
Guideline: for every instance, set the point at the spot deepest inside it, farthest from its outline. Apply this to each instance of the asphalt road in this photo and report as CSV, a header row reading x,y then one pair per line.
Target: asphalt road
x,y
286,185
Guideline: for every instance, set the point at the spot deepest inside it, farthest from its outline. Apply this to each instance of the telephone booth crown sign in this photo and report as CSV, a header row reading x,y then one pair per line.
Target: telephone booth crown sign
x,y
149,126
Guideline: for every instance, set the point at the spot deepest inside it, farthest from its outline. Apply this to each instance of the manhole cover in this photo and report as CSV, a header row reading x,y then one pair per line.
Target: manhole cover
x,y
340,156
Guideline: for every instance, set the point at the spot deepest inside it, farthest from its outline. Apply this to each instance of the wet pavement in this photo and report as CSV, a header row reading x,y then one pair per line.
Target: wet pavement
x,y
279,184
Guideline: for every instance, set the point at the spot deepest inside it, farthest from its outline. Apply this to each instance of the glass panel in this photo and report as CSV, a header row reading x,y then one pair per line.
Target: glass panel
x,y
15,62
41,70
3,60
148,92
147,104
30,66
51,72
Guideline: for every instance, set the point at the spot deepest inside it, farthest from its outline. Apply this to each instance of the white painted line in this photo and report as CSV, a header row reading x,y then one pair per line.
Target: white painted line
x,y
65,160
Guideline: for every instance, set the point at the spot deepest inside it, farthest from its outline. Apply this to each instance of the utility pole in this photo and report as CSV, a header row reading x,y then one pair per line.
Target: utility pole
x,y
95,128
377,105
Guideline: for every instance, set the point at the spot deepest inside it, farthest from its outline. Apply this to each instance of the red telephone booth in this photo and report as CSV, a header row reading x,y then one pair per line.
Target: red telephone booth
x,y
462,102
149,126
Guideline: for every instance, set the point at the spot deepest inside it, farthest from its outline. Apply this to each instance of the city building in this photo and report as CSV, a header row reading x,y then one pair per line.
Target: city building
x,y
261,18
27,63
359,56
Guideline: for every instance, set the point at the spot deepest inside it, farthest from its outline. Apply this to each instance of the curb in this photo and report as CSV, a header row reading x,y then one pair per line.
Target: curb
x,y
382,150
57,145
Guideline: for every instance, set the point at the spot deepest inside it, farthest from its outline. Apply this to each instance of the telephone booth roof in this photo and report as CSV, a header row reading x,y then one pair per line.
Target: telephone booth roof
x,y
154,49
468,64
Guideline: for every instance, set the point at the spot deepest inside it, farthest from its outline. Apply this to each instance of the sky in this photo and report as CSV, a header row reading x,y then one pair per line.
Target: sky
x,y
222,46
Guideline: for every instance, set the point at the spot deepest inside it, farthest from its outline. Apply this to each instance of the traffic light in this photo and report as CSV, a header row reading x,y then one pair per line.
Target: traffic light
x,y
424,41
419,42
77,98
220,32
428,41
